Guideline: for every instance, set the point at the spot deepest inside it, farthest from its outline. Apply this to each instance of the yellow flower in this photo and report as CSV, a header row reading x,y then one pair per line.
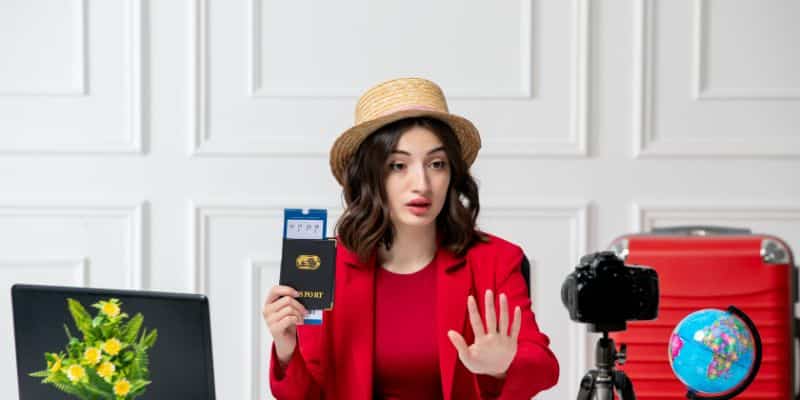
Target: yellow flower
x,y
75,373
109,308
122,387
92,355
106,370
112,346
56,365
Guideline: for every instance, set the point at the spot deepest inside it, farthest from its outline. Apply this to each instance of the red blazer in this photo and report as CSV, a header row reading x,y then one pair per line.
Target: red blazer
x,y
335,359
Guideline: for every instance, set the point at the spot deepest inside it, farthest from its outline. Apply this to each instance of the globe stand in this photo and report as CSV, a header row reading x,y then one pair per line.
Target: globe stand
x,y
691,394
599,384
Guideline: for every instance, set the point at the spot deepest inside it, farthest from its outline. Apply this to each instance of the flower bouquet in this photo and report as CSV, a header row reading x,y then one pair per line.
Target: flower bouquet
x,y
110,362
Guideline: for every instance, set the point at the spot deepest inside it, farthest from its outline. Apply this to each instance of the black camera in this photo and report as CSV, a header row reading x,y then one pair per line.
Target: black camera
x,y
605,293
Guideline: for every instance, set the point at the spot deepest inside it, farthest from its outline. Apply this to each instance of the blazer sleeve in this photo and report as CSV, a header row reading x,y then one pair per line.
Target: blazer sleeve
x,y
302,378
535,367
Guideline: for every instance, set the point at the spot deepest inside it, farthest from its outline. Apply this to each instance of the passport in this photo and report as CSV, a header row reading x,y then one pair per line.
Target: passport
x,y
308,266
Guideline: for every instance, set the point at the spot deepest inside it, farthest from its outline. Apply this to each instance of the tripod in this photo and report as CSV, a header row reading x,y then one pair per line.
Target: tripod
x,y
598,383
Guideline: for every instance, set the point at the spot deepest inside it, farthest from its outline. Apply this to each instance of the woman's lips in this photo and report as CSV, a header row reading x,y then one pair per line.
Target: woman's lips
x,y
418,209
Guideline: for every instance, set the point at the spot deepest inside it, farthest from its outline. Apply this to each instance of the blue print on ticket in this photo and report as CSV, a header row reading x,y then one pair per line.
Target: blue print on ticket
x,y
304,223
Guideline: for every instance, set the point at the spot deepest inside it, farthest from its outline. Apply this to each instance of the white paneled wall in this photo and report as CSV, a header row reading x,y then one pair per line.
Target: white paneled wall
x,y
737,59
71,76
153,145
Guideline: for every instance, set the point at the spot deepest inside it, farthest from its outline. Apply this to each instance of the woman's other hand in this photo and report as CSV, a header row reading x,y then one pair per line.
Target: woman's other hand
x,y
494,346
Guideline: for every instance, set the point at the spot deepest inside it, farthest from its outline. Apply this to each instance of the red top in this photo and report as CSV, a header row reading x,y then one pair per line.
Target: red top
x,y
406,354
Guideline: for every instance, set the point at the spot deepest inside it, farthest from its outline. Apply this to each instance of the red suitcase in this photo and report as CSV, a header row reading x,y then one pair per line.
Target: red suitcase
x,y
711,267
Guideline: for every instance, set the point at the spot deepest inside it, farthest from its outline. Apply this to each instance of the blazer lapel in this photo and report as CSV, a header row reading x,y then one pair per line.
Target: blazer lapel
x,y
355,324
453,286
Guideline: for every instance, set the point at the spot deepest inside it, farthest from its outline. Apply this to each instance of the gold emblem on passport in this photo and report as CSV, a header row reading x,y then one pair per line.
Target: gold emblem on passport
x,y
308,262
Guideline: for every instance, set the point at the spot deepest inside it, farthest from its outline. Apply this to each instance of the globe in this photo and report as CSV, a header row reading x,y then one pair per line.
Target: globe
x,y
714,352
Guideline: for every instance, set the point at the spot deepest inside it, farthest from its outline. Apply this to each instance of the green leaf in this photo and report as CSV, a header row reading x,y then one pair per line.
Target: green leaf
x,y
107,331
82,318
131,329
150,339
69,334
99,393
75,348
98,385
88,394
62,383
140,362
141,338
138,387
40,374
50,357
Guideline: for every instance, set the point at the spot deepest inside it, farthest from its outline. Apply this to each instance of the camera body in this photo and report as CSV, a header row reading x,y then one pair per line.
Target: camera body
x,y
606,293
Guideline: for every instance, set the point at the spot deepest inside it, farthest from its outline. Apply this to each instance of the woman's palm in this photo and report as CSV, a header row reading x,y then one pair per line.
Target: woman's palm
x,y
494,347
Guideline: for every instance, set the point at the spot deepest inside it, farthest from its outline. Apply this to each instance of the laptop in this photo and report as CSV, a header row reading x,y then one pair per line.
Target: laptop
x,y
180,362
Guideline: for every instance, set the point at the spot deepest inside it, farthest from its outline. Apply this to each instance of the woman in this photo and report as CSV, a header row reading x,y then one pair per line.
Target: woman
x,y
425,305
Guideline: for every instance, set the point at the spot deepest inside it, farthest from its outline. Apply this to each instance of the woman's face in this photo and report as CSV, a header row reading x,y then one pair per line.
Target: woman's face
x,y
418,178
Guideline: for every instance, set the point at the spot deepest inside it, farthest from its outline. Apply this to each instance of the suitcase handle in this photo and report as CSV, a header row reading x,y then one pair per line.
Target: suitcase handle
x,y
700,230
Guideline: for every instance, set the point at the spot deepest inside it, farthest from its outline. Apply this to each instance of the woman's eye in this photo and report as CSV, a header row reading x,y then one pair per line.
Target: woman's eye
x,y
396,166
438,164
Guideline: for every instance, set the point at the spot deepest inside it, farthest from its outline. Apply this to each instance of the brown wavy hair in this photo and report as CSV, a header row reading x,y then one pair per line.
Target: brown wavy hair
x,y
365,222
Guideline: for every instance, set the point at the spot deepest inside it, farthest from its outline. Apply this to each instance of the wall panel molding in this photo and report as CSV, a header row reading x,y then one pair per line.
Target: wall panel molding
x,y
78,266
203,143
645,213
133,136
701,91
645,141
78,86
132,214
256,89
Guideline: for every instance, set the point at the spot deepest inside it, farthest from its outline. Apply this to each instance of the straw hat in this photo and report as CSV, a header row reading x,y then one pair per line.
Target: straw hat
x,y
394,100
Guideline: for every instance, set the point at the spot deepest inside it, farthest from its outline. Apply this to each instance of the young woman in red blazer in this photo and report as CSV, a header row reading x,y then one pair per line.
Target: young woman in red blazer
x,y
425,305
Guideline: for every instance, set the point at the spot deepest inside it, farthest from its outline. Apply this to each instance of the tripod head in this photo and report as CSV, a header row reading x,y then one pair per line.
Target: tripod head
x,y
599,383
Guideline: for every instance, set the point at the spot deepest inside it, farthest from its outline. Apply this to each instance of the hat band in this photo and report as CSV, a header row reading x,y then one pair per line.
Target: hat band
x,y
407,108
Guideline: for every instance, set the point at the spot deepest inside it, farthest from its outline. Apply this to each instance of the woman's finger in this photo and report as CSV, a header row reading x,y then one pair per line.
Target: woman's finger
x,y
281,314
283,302
517,324
296,305
280,290
275,305
287,322
277,315
475,318
503,328
459,343
491,319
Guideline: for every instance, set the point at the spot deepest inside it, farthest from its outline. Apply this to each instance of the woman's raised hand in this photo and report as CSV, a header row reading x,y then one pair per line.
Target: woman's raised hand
x,y
494,346
283,313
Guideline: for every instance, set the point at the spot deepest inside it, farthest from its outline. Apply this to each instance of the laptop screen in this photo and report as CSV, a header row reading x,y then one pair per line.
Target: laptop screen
x,y
179,361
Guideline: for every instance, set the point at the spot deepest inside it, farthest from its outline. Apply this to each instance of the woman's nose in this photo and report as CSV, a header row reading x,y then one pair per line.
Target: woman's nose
x,y
420,179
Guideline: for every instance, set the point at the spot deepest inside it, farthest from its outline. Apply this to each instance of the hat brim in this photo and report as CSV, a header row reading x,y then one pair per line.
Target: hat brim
x,y
348,142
